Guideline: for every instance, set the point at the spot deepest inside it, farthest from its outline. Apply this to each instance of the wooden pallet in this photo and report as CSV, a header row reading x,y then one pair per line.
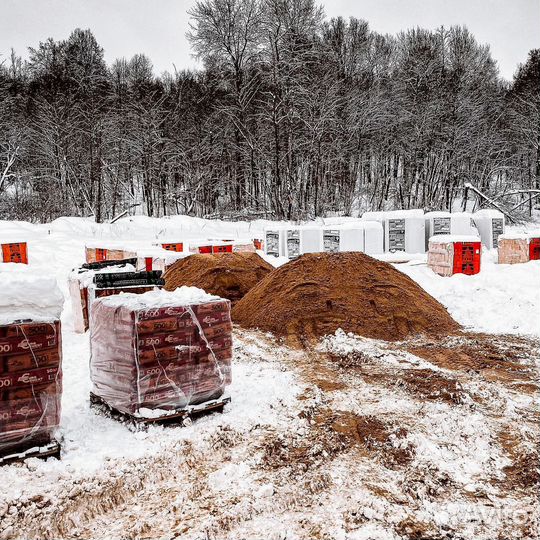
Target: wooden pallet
x,y
176,416
51,449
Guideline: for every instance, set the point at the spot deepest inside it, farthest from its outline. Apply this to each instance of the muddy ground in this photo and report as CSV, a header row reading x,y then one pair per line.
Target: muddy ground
x,y
415,440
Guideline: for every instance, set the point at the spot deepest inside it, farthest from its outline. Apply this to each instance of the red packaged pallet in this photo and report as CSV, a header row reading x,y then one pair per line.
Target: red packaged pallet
x,y
14,252
454,254
30,364
160,350
108,252
519,247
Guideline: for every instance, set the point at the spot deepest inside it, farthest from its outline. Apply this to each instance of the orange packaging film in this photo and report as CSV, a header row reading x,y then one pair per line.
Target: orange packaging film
x,y
175,246
159,357
15,253
30,384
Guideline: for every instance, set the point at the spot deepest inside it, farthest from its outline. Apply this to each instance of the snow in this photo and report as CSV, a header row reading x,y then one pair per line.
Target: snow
x,y
488,213
501,298
28,295
450,238
191,481
437,214
182,296
393,214
110,245
354,225
276,262
91,441
515,235
166,255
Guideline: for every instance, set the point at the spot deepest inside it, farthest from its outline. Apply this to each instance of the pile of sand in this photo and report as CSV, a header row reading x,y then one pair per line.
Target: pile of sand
x,y
229,275
321,292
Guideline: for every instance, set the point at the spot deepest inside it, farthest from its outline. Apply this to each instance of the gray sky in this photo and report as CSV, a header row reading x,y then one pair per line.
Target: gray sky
x,y
158,27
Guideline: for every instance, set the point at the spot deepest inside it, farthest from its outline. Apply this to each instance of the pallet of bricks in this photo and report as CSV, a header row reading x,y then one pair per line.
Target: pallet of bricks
x,y
515,248
108,252
94,280
160,353
13,252
454,254
214,246
30,368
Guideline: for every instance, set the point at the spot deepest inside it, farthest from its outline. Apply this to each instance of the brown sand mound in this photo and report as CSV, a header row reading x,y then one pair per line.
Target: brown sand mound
x,y
229,275
321,292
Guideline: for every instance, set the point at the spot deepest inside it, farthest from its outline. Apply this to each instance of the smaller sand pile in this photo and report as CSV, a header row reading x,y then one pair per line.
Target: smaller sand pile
x,y
229,275
321,292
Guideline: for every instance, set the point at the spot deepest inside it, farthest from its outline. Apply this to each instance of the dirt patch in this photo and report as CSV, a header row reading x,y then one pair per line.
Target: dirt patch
x,y
505,359
335,432
413,529
229,275
430,385
320,292
524,471
369,433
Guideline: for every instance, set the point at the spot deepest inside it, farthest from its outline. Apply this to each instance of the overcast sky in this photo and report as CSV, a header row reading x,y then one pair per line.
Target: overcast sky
x,y
158,27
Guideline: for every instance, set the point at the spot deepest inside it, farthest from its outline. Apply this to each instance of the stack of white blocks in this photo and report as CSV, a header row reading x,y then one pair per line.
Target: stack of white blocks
x,y
374,233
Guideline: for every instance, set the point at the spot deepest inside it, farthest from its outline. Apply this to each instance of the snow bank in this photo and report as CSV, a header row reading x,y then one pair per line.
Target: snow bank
x,y
520,235
448,238
169,257
393,214
500,299
28,295
488,213
182,296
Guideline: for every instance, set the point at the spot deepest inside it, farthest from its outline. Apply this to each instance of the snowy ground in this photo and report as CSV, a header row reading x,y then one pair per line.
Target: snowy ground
x,y
345,442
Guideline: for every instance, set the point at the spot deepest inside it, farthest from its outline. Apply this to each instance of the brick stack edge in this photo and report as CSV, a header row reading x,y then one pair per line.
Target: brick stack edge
x,y
160,358
104,254
441,258
30,384
517,250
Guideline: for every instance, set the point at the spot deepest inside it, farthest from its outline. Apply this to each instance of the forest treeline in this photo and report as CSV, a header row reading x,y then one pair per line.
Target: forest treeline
x,y
291,116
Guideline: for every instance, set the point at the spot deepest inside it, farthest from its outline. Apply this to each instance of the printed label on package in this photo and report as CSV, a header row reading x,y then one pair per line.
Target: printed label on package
x,y
293,244
441,225
272,243
396,234
331,241
497,229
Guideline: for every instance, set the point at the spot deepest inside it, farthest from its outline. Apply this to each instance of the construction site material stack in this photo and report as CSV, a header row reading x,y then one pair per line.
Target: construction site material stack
x,y
108,252
454,254
459,223
514,248
30,362
490,224
160,350
95,280
404,230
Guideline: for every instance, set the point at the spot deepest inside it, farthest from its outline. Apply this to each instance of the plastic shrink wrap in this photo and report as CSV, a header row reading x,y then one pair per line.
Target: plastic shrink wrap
x,y
160,350
83,289
30,360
